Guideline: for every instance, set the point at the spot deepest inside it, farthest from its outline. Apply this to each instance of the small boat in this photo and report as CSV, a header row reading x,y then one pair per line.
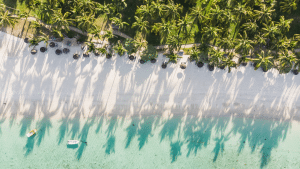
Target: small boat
x,y
73,142
31,133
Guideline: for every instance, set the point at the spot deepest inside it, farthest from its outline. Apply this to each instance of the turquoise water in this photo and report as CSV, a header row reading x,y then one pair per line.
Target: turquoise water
x,y
150,141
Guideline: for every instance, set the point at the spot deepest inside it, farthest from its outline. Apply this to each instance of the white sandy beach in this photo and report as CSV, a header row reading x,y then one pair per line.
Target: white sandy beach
x,y
61,86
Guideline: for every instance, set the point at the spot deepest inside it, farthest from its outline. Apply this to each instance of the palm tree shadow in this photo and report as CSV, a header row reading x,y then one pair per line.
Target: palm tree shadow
x,y
110,145
145,130
99,124
26,123
132,130
75,125
83,137
1,121
29,145
197,138
220,146
170,127
175,150
63,129
43,125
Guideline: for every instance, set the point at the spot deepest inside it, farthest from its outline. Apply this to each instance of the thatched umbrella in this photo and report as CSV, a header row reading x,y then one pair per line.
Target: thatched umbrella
x,y
210,67
86,55
153,60
164,65
76,56
295,71
26,40
97,53
108,56
131,57
66,50
58,51
33,51
52,44
43,49
200,64
183,65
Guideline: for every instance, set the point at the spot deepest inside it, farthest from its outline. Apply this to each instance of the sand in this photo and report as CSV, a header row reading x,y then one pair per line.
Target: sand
x,y
135,115
96,85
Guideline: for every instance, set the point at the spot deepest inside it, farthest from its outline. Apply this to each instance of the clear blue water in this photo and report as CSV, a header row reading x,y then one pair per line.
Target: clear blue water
x,y
150,141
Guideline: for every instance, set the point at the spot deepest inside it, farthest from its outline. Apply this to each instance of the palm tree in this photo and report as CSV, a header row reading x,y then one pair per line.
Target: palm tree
x,y
109,35
164,29
281,45
211,33
61,21
95,32
195,54
288,5
91,47
141,25
119,48
144,11
44,37
85,22
184,24
264,15
215,56
228,62
45,11
244,44
259,40
6,19
270,30
131,46
226,43
241,11
286,62
263,60
297,62
157,9
284,25
118,21
173,10
250,26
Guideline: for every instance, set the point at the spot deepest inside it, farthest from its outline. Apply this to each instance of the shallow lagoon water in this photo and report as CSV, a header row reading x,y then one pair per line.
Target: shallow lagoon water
x,y
150,141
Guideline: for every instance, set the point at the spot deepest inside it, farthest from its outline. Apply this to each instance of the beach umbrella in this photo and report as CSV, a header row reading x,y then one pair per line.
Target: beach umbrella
x,y
43,49
26,40
295,71
97,53
142,61
58,51
108,56
76,56
69,43
210,67
33,51
164,65
86,55
200,64
52,44
153,60
66,50
182,65
131,57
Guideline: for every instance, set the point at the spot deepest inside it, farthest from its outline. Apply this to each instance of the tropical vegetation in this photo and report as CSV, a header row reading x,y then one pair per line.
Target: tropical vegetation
x,y
265,33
